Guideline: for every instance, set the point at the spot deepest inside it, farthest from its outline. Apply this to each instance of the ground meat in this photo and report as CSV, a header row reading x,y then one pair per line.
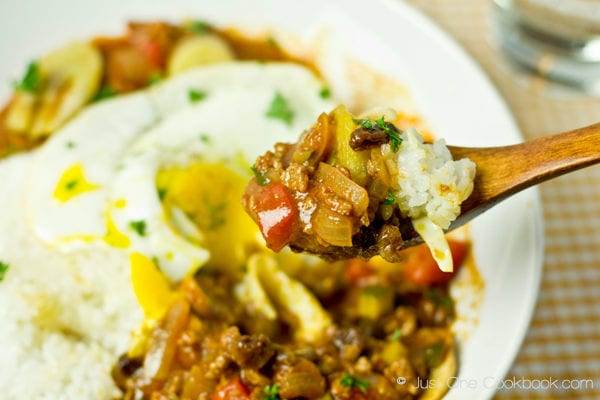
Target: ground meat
x,y
402,368
430,312
350,343
403,321
296,178
247,351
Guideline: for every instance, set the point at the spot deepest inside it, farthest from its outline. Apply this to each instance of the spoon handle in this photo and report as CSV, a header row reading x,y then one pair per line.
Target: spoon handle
x,y
504,171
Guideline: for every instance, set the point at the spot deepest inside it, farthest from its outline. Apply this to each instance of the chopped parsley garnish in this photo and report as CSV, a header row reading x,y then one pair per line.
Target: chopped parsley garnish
x,y
217,217
396,335
195,95
351,381
280,109
325,92
439,298
32,80
105,92
70,144
199,27
433,354
156,261
393,134
139,227
71,185
155,79
162,192
260,178
390,198
205,138
271,392
3,268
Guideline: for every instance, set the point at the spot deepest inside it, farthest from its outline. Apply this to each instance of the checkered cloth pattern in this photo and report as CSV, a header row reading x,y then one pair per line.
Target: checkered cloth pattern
x,y
562,345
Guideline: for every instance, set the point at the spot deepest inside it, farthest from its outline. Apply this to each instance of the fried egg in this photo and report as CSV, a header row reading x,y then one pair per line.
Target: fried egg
x,y
95,181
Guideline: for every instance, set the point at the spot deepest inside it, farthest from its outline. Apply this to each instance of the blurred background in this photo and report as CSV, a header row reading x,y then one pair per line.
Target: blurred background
x,y
563,341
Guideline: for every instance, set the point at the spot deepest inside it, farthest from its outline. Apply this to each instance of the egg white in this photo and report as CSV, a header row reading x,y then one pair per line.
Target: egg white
x,y
96,140
122,144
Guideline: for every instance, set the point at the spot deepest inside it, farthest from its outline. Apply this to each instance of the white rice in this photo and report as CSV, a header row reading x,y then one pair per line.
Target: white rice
x,y
64,318
431,184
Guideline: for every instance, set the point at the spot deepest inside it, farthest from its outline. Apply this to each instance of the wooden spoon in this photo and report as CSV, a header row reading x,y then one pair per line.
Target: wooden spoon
x,y
500,173
504,171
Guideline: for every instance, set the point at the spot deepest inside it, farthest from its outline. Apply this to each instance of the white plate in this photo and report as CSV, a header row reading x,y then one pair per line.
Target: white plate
x,y
450,90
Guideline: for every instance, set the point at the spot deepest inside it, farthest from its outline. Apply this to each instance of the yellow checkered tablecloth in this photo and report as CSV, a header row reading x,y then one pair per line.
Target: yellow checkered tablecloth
x,y
563,342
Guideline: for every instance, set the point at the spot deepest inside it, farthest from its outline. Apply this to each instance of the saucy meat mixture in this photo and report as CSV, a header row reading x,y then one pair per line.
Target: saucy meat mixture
x,y
385,327
334,188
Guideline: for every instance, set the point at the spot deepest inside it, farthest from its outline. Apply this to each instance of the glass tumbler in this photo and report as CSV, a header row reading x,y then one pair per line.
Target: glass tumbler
x,y
557,39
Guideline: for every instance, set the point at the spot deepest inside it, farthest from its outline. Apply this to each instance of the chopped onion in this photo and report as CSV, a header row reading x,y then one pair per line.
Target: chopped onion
x,y
333,228
163,343
344,187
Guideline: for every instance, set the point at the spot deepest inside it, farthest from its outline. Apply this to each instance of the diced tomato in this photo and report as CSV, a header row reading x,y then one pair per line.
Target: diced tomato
x,y
421,268
275,212
231,390
153,53
357,271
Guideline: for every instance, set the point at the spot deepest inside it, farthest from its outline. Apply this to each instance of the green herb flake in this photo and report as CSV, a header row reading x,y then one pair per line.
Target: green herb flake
x,y
395,138
260,178
439,298
155,79
365,123
162,192
32,80
71,185
204,138
199,27
280,109
217,217
396,335
390,198
70,144
3,268
271,392
351,381
433,354
139,227
195,95
156,262
325,92
105,92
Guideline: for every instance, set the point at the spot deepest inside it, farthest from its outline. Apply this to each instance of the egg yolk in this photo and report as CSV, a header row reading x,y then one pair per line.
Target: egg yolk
x,y
209,194
150,286
114,236
72,183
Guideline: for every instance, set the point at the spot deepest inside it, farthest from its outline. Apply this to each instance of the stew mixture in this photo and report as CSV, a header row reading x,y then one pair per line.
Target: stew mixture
x,y
390,321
